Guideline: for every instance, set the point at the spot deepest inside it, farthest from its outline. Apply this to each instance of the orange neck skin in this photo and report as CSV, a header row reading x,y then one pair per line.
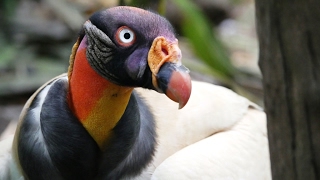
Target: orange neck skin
x,y
96,102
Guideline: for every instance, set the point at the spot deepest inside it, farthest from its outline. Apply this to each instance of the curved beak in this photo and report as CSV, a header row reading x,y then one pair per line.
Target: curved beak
x,y
169,76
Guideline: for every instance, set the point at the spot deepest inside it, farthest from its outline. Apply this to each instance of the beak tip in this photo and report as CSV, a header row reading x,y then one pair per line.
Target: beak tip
x,y
179,88
182,104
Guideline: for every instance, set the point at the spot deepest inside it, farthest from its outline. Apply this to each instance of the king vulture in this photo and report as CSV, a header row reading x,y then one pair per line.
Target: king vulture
x,y
107,118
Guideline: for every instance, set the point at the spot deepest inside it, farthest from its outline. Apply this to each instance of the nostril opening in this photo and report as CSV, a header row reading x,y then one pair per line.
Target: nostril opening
x,y
165,51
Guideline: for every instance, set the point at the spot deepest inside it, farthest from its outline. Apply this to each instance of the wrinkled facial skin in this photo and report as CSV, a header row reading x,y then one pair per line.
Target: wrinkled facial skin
x,y
134,57
136,48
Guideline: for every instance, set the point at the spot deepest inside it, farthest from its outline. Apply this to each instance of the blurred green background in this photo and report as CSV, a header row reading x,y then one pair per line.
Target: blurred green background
x,y
217,39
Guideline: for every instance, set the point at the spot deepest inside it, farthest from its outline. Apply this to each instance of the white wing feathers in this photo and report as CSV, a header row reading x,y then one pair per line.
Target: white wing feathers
x,y
217,135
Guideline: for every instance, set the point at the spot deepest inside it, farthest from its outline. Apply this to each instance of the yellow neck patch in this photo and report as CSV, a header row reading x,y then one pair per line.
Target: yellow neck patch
x,y
96,102
105,113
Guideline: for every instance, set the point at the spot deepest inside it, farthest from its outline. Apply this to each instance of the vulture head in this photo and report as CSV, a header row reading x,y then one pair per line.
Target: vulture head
x,y
135,48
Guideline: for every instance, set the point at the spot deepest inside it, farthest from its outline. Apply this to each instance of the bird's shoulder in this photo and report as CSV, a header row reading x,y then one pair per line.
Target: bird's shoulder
x,y
213,114
48,133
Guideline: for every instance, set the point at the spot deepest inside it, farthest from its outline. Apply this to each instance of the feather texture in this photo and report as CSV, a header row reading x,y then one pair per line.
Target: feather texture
x,y
217,135
52,144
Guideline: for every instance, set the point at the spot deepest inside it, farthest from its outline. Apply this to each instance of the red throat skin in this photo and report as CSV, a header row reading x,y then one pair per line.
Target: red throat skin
x,y
96,102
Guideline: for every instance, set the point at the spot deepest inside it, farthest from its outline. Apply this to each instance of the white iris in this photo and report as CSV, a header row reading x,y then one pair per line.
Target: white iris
x,y
126,35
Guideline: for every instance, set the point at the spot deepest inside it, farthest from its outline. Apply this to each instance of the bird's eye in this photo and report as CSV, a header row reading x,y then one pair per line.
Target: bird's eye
x,y
125,36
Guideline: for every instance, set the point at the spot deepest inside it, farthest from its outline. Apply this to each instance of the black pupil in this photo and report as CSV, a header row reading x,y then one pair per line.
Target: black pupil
x,y
127,35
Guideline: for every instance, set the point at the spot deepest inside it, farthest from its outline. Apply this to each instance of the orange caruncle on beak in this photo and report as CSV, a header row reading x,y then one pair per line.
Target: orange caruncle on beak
x,y
162,51
168,74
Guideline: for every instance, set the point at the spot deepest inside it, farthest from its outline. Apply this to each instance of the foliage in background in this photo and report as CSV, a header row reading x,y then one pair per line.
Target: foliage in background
x,y
196,28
